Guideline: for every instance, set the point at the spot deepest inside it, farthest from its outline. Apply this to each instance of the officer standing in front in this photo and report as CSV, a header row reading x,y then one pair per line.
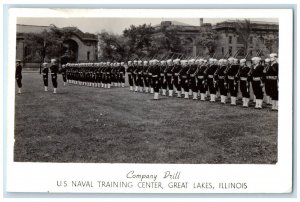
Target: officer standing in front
x,y
45,72
54,71
19,75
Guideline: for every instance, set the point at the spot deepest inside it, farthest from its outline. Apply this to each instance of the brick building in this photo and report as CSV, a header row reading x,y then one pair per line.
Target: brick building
x,y
264,37
82,45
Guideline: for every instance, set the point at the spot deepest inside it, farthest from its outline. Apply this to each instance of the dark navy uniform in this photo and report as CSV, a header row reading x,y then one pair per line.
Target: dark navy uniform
x,y
211,81
45,72
176,70
222,82
19,75
169,77
272,80
256,81
201,81
130,75
54,71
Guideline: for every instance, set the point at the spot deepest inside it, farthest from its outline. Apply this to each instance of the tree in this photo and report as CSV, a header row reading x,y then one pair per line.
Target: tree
x,y
272,44
47,44
208,39
139,39
166,42
244,30
113,47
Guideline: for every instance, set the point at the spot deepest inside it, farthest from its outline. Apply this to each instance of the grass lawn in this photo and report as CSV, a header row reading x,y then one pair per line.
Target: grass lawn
x,y
85,124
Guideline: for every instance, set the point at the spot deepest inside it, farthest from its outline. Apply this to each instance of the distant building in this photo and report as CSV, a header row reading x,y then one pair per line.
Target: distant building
x,y
82,45
264,37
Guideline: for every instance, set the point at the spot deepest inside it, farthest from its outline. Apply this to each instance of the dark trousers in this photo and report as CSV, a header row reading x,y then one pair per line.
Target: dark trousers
x,y
244,87
185,84
202,87
232,87
150,82
140,81
130,80
257,90
211,86
169,82
135,79
54,80
64,76
163,83
193,84
177,83
45,79
222,87
146,80
121,78
273,89
156,84
19,82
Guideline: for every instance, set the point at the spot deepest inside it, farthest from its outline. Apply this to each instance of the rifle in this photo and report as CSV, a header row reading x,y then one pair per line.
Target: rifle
x,y
252,67
229,66
239,71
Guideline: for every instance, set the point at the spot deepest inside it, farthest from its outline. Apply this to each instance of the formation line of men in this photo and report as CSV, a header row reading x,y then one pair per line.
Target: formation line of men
x,y
100,74
197,77
194,77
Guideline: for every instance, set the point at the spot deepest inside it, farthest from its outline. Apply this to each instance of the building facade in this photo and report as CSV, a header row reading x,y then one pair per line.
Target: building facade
x,y
82,46
263,38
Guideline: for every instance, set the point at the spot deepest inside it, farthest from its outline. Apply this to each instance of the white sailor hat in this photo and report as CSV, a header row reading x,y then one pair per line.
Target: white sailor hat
x,y
176,60
235,59
273,55
129,62
243,60
17,60
183,61
231,59
45,63
267,60
211,59
169,61
122,63
163,62
192,60
145,62
118,64
135,61
256,59
155,61
53,60
140,62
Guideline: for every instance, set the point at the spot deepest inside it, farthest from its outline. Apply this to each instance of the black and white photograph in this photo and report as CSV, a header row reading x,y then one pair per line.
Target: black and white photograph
x,y
152,99
140,90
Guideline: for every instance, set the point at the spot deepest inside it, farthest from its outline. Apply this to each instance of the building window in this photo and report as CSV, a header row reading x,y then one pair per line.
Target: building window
x,y
230,51
88,55
222,50
251,39
230,40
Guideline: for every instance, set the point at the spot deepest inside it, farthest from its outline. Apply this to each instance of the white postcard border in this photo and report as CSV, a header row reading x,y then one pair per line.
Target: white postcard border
x,y
43,177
